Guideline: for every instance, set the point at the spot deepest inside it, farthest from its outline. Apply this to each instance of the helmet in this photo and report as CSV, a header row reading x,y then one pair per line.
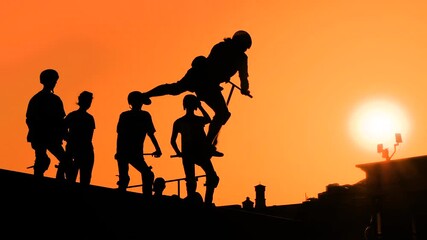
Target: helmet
x,y
190,101
49,75
137,97
242,37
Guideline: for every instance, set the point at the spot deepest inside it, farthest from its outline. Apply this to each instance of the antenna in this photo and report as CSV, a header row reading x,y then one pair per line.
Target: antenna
x,y
384,151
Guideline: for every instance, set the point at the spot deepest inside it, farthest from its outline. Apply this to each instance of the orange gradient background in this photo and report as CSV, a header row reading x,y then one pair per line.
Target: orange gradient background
x,y
311,65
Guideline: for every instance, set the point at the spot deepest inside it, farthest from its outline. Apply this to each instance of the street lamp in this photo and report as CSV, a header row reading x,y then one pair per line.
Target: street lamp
x,y
384,151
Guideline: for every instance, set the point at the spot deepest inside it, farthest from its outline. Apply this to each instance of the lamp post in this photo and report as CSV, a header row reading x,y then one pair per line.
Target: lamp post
x,y
385,154
384,151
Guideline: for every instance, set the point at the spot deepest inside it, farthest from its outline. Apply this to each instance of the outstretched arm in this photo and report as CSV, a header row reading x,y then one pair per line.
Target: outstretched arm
x,y
243,75
244,86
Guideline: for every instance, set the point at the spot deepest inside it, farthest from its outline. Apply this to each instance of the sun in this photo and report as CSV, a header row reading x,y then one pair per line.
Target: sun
x,y
376,122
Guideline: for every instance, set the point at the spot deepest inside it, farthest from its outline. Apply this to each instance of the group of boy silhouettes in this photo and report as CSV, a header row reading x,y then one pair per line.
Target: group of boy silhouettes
x,y
49,125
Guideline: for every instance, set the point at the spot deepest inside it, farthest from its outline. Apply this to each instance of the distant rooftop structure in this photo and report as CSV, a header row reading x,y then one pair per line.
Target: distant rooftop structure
x,y
398,189
260,196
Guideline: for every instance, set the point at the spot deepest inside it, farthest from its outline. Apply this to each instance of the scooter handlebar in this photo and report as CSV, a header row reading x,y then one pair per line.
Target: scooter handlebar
x,y
234,85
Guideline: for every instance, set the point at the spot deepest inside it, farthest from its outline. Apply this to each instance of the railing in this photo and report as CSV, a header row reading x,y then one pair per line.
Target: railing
x,y
178,180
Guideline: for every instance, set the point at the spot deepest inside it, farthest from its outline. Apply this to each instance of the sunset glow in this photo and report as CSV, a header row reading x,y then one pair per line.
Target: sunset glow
x,y
377,122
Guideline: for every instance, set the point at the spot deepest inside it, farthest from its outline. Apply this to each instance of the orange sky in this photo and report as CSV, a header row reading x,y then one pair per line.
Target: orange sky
x,y
311,65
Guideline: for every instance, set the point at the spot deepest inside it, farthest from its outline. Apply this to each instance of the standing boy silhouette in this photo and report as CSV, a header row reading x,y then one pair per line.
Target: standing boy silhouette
x,y
194,148
46,129
133,126
80,127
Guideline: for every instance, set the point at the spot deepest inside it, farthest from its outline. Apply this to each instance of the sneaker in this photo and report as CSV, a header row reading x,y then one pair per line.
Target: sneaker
x,y
145,99
215,153
209,205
